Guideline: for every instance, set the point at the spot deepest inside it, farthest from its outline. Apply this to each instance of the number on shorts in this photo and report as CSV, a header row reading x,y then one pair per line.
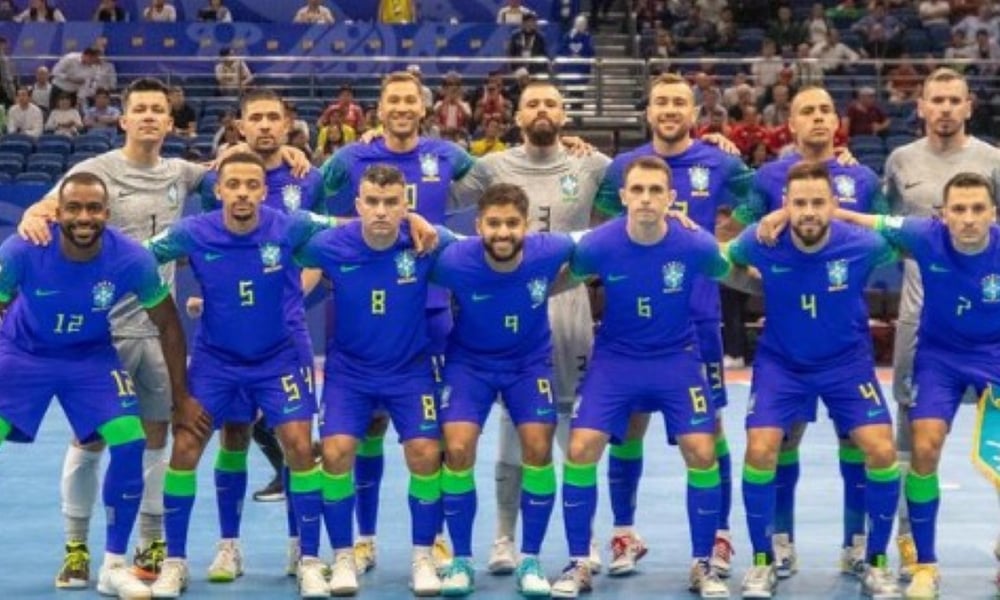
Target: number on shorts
x,y
291,388
124,383
698,402
714,372
809,304
643,308
307,377
246,293
545,388
430,412
68,323
378,302
868,392
511,322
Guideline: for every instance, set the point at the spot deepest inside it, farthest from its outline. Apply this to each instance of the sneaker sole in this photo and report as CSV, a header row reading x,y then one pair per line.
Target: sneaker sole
x,y
558,594
757,595
269,498
614,571
500,569
144,574
426,593
344,591
72,584
223,577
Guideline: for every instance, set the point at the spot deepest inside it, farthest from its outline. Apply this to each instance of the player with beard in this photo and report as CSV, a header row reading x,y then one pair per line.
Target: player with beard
x,y
56,340
816,344
501,345
561,188
705,178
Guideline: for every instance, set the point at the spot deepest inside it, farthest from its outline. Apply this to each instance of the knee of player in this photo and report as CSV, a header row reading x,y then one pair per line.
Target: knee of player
x,y
698,450
762,453
881,453
186,451
298,454
423,456
235,436
460,454
926,448
536,453
585,448
338,453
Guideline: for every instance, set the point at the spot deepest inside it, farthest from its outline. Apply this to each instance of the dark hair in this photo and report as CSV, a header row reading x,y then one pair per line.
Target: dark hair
x,y
145,84
102,92
257,94
382,175
504,194
83,178
807,170
91,52
966,180
648,163
243,158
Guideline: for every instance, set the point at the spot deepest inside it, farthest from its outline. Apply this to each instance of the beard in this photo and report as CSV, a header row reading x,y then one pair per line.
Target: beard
x,y
539,136
811,239
67,232
516,247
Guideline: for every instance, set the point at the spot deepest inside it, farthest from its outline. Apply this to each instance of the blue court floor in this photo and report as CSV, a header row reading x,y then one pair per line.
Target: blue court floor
x,y
32,527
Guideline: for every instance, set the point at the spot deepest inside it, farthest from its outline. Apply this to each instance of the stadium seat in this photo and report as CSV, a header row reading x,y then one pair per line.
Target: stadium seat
x,y
20,137
5,178
208,124
916,42
52,143
895,141
34,177
866,144
13,156
91,144
76,157
46,157
16,146
11,167
174,147
51,168
214,107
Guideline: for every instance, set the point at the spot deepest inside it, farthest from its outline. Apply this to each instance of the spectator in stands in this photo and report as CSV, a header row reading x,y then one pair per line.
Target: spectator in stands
x,y
490,140
231,73
104,76
299,140
738,90
108,11
41,90
599,9
452,111
934,12
64,119
710,108
371,120
351,112
847,10
159,11
818,25
717,123
983,19
833,55
521,79
24,117
880,32
711,10
768,67
694,34
651,14
227,118
660,46
905,81
334,136
230,137
215,11
456,136
959,49
727,32
39,11
513,13
786,33
7,13
8,74
748,132
864,115
102,116
777,112
425,92
577,43
759,155
185,119
985,52
492,104
527,43
314,13
294,122
73,72
806,70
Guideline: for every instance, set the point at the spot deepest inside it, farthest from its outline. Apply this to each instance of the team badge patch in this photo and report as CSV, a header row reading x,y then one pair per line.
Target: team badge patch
x,y
270,257
836,273
291,197
406,267
173,195
429,167
539,289
700,178
673,277
104,295
569,188
991,288
845,188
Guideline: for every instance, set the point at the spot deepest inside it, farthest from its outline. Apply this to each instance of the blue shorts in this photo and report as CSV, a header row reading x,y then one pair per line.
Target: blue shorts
x,y
92,390
710,348
781,397
940,379
616,386
469,393
349,404
233,392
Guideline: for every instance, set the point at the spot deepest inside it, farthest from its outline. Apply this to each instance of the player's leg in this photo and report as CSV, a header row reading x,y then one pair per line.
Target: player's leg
x,y
786,480
78,491
625,464
854,474
439,325
266,440
508,476
230,475
369,466
904,350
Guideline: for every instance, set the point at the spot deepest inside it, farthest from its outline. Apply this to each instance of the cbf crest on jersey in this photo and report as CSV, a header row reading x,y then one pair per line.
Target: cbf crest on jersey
x,y
291,197
673,277
270,257
429,167
991,288
836,273
173,195
104,295
701,180
569,188
538,288
845,189
406,267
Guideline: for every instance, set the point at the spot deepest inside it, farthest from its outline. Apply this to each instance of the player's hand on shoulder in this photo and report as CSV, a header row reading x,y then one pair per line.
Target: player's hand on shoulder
x,y
771,226
577,146
721,142
682,218
844,157
370,135
34,228
297,160
425,236
195,306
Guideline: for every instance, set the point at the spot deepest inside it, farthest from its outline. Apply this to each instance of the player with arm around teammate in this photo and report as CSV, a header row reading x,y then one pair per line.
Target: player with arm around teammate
x,y
56,340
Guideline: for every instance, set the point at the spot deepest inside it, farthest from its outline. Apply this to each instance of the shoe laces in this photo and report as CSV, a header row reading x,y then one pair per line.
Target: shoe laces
x,y
529,566
620,544
77,557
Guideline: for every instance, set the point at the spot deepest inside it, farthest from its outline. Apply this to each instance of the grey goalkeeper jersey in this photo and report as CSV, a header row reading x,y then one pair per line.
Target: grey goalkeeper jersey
x,y
143,201
915,176
561,188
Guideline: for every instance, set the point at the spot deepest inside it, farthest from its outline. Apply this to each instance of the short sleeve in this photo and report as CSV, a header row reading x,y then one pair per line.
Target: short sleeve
x,y
206,192
608,201
304,226
172,243
740,251
584,261
461,162
909,234
335,172
11,267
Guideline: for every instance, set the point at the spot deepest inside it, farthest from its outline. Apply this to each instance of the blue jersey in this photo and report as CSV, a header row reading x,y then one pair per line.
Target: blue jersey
x,y
856,187
961,310
705,178
814,302
428,169
379,299
647,289
502,321
60,307
285,192
246,279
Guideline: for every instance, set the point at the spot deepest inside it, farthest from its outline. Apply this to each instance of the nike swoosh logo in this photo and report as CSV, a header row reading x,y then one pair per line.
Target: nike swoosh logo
x,y
132,496
533,502
211,256
696,422
614,278
428,427
349,268
124,193
310,520
541,412
290,409
129,403
43,293
936,268
780,269
481,297
572,504
875,412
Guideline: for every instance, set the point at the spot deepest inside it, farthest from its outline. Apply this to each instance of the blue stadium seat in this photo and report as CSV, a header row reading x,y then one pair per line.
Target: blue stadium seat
x,y
204,148
20,137
11,167
16,146
51,168
916,42
76,157
46,157
940,37
91,144
5,178
214,107
34,177
876,162
895,141
208,124
866,144
174,147
12,156
54,143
